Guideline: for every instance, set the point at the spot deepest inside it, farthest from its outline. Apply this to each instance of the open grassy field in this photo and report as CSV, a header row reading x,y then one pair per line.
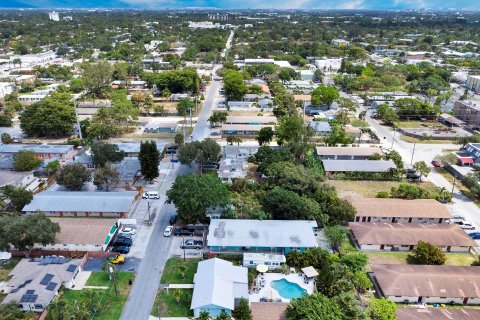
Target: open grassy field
x,y
171,273
369,189
426,141
166,304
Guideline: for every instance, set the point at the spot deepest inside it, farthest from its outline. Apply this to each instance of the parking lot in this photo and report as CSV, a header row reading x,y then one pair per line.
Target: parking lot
x,y
178,252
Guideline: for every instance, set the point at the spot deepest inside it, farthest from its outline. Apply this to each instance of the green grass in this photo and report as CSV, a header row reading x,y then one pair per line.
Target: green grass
x,y
453,259
171,273
166,305
109,305
6,266
369,189
425,141
359,123
409,124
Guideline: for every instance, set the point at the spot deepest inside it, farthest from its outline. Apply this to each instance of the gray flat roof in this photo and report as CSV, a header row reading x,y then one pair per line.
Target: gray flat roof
x,y
261,233
348,151
358,165
81,201
37,148
134,147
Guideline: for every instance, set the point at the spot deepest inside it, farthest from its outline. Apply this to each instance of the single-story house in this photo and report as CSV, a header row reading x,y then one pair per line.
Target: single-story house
x,y
243,130
132,149
272,261
405,283
128,170
240,104
36,282
370,236
347,153
179,96
133,85
450,121
82,234
84,160
82,203
341,166
272,236
251,120
218,286
60,152
253,97
167,127
399,210
320,128
239,152
437,313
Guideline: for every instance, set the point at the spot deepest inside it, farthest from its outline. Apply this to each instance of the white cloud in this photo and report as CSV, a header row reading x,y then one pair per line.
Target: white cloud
x,y
354,4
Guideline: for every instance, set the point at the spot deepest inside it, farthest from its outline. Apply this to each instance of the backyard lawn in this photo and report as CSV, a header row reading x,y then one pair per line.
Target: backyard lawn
x,y
369,189
171,273
166,304
6,266
109,305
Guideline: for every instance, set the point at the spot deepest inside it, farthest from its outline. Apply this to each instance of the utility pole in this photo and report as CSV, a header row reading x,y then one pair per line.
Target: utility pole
x,y
149,204
191,122
78,120
414,144
393,139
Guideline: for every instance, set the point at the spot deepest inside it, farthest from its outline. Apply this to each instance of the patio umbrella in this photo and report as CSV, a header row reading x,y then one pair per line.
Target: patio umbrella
x,y
262,268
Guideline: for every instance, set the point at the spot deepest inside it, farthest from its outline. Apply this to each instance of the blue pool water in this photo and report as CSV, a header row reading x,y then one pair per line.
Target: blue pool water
x,y
287,289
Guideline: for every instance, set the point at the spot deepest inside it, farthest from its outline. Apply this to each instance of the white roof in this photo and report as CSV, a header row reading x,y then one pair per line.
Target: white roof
x,y
261,233
358,165
219,282
310,272
81,201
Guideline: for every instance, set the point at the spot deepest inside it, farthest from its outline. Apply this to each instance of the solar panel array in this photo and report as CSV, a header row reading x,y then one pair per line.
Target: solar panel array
x,y
72,268
30,292
46,279
21,286
29,298
51,286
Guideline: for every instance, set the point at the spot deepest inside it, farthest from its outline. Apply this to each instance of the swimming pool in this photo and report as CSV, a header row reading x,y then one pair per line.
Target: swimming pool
x,y
287,289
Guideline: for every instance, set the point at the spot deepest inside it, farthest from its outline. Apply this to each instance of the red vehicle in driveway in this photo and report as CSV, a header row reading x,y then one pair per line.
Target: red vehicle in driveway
x,y
436,163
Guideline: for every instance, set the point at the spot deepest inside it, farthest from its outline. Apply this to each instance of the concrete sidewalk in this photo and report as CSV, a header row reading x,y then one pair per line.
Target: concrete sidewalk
x,y
180,286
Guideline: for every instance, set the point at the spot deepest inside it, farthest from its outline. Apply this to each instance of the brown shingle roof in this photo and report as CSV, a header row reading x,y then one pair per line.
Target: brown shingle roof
x,y
347,151
410,233
82,230
437,314
379,207
428,281
268,310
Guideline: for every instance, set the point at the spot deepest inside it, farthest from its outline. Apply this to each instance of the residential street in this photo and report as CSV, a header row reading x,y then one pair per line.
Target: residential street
x,y
142,295
427,152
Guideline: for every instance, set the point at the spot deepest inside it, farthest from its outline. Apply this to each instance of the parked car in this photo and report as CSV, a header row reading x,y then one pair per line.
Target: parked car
x,y
467,226
173,220
119,259
192,244
124,235
181,231
150,195
174,160
436,163
128,230
474,235
121,249
458,217
122,242
168,231
412,174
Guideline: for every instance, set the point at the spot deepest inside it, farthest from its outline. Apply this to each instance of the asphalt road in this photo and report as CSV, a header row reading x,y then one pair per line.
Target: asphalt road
x,y
142,295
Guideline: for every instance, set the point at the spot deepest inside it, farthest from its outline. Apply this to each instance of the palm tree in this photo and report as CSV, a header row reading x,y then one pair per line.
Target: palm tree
x,y
182,269
177,294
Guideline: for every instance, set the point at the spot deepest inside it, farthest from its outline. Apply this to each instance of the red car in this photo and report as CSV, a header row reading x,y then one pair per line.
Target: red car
x,y
436,163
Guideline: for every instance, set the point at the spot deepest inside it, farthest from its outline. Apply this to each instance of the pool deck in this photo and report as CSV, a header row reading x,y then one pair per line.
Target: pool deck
x,y
271,294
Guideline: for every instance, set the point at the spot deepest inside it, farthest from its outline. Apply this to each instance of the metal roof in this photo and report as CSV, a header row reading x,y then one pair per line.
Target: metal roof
x,y
262,233
80,201
37,148
358,165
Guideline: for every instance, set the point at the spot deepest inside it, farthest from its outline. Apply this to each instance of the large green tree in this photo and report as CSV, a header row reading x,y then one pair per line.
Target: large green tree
x,y
313,307
18,196
235,89
192,195
96,77
382,309
292,131
426,253
288,205
106,176
26,160
199,152
242,311
103,152
265,136
73,176
149,158
324,95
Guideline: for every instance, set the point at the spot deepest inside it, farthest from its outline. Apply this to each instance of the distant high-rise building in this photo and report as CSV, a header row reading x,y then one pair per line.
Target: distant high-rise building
x,y
54,16
218,16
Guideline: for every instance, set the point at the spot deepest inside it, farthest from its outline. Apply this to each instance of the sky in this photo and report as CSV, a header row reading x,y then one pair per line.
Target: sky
x,y
254,4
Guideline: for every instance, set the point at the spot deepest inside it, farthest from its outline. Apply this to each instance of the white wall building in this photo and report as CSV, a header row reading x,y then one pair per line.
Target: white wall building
x,y
328,64
473,83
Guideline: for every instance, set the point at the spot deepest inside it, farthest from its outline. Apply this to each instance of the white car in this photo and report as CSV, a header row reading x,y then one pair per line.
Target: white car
x,y
150,195
128,230
168,231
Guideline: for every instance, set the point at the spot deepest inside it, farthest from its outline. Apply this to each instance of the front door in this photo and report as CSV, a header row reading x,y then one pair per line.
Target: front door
x,y
382,246
465,301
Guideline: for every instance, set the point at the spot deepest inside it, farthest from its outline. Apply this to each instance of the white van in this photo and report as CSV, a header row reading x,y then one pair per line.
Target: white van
x,y
150,195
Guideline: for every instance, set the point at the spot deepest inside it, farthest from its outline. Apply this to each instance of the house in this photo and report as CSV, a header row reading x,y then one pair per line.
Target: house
x,y
251,120
470,155
370,236
61,152
272,261
36,282
218,287
133,85
243,130
473,83
166,127
450,121
31,98
347,153
407,313
272,236
234,162
82,203
424,284
128,170
179,96
320,128
328,64
258,61
399,210
5,88
82,234
240,104
332,167
84,160
132,149
340,42
468,111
